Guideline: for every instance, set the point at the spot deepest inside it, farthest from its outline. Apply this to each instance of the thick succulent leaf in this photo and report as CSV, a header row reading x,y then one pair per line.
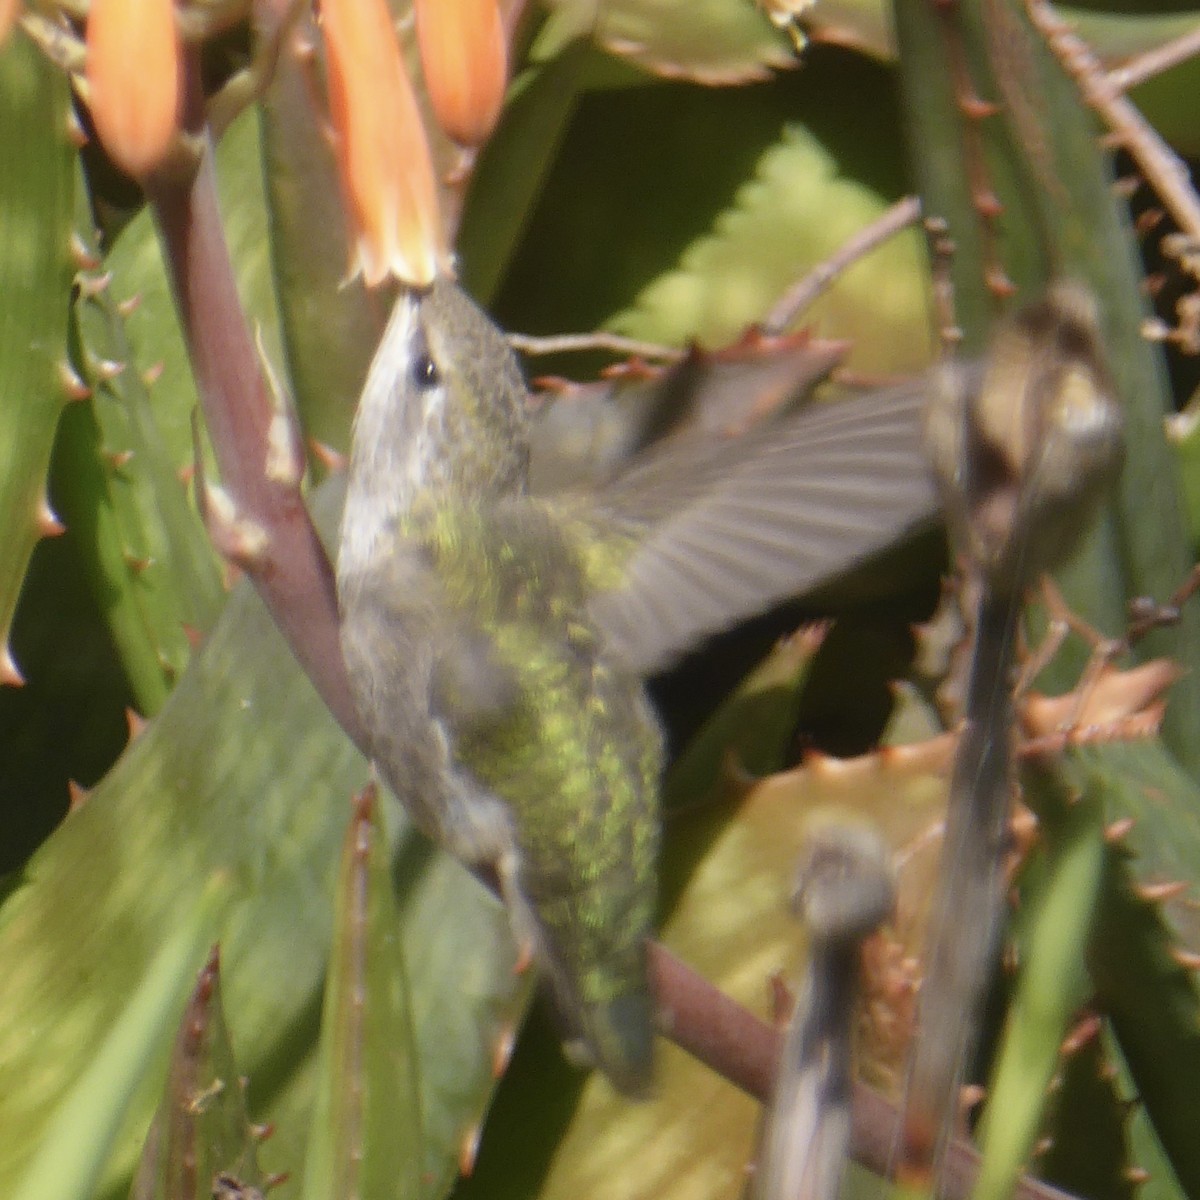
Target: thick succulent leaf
x,y
1115,35
1151,1171
1057,910
365,1138
1058,215
1144,933
795,211
36,198
148,558
201,1130
1183,432
1089,1154
513,165
75,683
67,1154
1154,1006
241,779
331,323
710,41
1140,781
749,733
646,173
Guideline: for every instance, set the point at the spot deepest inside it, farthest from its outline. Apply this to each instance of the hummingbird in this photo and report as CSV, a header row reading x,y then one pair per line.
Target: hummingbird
x,y
497,641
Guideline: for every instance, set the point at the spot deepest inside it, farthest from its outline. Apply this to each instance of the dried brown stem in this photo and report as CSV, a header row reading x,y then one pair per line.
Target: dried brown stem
x,y
801,294
702,1020
571,343
292,572
1163,169
1154,62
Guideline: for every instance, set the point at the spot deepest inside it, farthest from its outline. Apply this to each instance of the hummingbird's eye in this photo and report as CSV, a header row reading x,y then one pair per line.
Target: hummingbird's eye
x,y
425,373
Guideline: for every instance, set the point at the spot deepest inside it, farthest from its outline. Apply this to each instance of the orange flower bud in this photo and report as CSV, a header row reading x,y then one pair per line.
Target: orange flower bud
x,y
383,155
8,17
133,77
464,55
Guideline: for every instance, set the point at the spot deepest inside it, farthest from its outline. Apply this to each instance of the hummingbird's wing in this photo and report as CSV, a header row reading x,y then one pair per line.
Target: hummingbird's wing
x,y
706,532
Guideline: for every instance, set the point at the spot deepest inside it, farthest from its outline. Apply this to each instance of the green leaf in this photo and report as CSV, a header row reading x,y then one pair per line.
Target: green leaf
x,y
1089,1154
365,1137
36,199
1154,1007
330,323
710,41
1138,948
148,558
74,1145
796,211
237,780
201,1129
652,183
1056,919
1058,216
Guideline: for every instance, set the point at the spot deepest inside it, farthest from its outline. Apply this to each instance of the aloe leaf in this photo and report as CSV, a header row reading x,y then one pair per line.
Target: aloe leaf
x,y
1141,782
1089,1154
365,1136
36,198
1183,433
75,1144
645,175
1144,935
201,1130
750,731
1116,33
1154,1006
331,323
237,779
1052,981
151,565
709,41
795,211
513,165
1058,215
1151,1173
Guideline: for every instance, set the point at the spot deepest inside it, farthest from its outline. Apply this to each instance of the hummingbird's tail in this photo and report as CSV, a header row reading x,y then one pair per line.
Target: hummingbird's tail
x,y
605,1008
618,1037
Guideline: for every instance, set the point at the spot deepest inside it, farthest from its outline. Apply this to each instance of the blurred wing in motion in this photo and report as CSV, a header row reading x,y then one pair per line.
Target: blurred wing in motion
x,y
718,529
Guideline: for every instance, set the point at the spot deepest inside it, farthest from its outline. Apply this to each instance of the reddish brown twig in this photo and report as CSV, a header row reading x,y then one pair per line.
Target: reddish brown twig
x,y
801,294
290,568
699,1018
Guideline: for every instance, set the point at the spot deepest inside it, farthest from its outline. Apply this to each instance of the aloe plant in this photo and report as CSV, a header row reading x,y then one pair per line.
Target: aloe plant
x,y
664,174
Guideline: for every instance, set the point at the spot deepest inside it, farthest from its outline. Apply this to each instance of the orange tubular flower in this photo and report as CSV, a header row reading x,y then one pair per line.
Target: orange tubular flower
x,y
464,55
387,174
8,17
133,77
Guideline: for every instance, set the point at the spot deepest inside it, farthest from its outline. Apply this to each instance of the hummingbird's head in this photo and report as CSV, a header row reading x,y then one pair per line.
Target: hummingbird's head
x,y
442,414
